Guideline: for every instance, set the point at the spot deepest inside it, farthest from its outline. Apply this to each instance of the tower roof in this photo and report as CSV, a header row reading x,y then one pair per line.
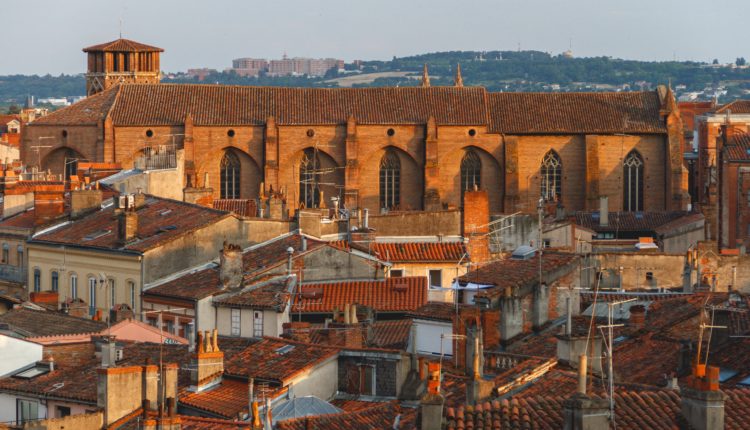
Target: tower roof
x,y
122,45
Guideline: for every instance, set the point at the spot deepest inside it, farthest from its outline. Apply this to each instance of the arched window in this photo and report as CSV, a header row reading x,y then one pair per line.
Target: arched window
x,y
632,191
390,181
309,190
230,176
471,171
37,280
73,286
551,171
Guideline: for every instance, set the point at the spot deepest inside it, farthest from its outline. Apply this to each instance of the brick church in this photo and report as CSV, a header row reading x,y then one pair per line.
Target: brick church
x,y
415,148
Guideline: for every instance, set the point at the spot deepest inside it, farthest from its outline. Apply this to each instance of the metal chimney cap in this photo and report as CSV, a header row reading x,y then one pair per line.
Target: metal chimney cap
x,y
290,250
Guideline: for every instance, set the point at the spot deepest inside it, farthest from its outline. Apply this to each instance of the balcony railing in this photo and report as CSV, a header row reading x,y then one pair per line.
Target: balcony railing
x,y
157,157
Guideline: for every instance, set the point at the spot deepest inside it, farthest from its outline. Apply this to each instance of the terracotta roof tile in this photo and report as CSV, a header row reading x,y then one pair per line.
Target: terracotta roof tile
x,y
393,334
629,221
738,147
240,207
227,400
439,311
169,104
510,273
273,253
377,416
272,296
388,295
31,323
564,113
88,111
192,286
123,45
737,106
269,360
419,252
159,221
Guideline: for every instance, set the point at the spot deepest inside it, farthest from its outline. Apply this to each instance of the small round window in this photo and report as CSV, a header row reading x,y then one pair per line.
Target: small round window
x,y
149,133
310,132
472,132
230,133
65,133
391,132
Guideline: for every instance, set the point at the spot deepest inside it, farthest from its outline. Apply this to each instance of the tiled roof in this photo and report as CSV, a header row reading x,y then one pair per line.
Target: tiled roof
x,y
273,253
378,416
510,113
737,106
419,252
385,295
86,112
75,376
389,334
633,410
564,113
30,323
240,207
169,104
23,220
123,45
192,286
272,296
227,400
266,360
511,273
439,311
738,147
159,221
628,221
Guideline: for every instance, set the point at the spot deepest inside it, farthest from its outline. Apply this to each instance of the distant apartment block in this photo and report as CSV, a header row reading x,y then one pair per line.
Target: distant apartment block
x,y
286,66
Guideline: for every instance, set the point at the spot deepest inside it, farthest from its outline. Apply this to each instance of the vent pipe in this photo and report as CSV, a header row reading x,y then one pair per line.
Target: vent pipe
x,y
603,211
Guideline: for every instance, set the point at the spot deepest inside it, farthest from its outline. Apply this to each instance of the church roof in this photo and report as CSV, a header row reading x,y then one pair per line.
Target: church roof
x,y
122,45
564,113
510,113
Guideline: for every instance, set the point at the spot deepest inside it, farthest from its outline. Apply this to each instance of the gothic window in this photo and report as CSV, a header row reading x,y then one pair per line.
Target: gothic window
x,y
471,171
632,191
309,189
390,181
230,176
551,171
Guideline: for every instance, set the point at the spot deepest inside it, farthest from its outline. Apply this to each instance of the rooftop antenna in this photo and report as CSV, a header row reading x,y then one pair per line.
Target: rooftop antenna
x,y
120,27
610,372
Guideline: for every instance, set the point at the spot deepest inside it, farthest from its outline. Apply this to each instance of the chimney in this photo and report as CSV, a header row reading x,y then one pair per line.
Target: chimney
x,y
581,412
150,386
191,336
297,330
290,252
571,346
637,316
207,365
127,226
84,201
431,405
702,401
303,245
540,306
476,218
118,391
109,353
49,202
604,211
511,316
230,266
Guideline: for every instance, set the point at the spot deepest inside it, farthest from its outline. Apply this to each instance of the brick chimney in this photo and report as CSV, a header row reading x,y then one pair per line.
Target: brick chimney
x,y
84,201
476,217
118,391
297,330
207,365
127,226
230,266
637,316
702,401
431,404
49,202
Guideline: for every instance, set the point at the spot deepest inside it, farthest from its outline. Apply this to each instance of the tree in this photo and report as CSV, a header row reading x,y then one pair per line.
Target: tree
x,y
716,61
13,110
740,61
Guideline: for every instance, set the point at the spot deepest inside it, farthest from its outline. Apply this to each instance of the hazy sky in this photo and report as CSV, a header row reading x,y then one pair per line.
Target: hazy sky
x,y
46,36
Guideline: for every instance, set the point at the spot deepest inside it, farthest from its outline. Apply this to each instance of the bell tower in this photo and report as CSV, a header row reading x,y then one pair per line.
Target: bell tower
x,y
121,60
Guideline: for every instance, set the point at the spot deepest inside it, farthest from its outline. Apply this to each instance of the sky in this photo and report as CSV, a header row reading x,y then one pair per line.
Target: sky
x,y
46,36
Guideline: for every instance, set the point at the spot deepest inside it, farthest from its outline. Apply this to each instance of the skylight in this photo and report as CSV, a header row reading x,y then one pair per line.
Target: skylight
x,y
284,349
32,373
96,235
726,374
745,382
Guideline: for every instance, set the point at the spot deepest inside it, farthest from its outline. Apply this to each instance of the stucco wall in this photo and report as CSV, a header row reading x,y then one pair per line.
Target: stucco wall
x,y
320,382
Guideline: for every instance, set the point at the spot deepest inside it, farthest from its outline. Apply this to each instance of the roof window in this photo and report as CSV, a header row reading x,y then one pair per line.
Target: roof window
x,y
284,349
726,374
165,212
96,235
168,228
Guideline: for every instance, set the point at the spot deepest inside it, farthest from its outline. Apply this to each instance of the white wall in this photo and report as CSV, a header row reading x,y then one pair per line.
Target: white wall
x,y
17,353
321,382
428,337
